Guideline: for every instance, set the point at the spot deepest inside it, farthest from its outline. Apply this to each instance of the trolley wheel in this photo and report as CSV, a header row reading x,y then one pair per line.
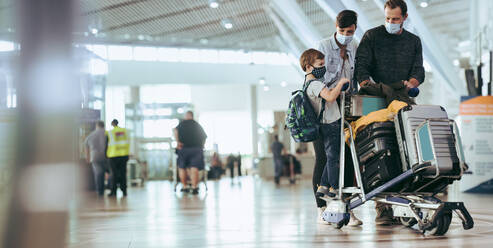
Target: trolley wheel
x,y
408,221
338,225
443,224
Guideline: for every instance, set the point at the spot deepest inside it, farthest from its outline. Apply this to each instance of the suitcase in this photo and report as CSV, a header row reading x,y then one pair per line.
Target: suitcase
x,y
380,170
374,139
425,136
356,106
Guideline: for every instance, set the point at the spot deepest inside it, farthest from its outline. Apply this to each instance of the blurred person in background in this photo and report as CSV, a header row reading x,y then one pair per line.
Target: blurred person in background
x,y
95,147
216,167
233,161
190,150
118,151
277,149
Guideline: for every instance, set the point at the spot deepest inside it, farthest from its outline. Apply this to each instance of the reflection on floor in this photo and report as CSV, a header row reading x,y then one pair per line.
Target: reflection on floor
x,y
251,213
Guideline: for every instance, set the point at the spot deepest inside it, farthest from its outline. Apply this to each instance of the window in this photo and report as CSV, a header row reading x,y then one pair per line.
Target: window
x,y
168,54
162,128
165,93
120,53
145,53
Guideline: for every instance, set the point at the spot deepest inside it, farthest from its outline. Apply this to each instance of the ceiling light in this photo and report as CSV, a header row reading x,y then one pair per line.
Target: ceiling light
x,y
141,37
204,41
261,81
213,4
424,3
227,23
266,88
284,84
94,30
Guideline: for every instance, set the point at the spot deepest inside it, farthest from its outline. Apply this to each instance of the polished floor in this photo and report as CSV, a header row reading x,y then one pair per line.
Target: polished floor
x,y
251,212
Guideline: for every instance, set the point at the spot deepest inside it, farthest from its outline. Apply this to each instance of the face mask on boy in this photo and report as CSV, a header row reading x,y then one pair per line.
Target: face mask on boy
x,y
319,72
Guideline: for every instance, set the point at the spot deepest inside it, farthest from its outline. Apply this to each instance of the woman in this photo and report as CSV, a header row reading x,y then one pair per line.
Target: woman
x,y
340,51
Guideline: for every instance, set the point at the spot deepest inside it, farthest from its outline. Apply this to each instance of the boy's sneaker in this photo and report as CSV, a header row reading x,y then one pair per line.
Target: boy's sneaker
x,y
325,191
354,221
384,215
185,190
320,219
195,191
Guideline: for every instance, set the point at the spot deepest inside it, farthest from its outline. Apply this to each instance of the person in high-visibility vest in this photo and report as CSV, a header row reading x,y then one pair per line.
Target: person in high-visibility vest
x,y
117,153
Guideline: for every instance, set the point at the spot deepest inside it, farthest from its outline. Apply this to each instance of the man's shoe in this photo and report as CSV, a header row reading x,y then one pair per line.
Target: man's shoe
x,y
354,221
320,219
325,191
185,190
195,191
384,216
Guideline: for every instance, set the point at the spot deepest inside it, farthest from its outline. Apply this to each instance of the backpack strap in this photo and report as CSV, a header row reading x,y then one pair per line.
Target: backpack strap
x,y
322,109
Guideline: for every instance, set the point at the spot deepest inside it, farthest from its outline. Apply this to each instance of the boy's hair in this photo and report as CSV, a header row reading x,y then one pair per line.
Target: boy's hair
x,y
392,4
309,56
346,18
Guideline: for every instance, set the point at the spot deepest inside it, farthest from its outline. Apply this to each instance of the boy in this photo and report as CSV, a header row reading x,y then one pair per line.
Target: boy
x,y
313,64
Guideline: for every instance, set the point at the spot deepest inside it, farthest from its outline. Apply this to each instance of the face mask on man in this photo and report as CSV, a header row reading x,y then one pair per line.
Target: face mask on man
x,y
319,72
393,28
343,39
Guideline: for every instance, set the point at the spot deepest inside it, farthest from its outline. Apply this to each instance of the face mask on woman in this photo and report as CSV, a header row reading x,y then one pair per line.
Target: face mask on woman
x,y
343,39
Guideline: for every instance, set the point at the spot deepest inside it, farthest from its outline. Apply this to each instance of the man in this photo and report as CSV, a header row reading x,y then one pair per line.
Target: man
x,y
190,150
95,146
277,149
392,57
118,151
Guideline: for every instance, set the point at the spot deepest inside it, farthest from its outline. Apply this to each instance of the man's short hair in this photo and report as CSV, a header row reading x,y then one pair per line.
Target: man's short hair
x,y
346,18
114,122
189,112
100,124
392,4
309,56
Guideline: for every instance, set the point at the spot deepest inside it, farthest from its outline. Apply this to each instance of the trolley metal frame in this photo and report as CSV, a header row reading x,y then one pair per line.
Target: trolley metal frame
x,y
431,214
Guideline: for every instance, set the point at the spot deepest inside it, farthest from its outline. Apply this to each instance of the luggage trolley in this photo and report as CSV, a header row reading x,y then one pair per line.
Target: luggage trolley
x,y
412,204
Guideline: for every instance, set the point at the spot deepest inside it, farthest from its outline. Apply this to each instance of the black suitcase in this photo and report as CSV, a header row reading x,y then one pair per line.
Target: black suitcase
x,y
381,169
375,139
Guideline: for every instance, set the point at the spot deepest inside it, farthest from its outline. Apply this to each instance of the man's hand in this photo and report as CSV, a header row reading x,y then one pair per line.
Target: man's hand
x,y
411,83
364,83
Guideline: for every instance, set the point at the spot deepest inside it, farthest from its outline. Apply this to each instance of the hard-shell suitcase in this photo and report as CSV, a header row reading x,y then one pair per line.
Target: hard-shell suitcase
x,y
425,136
374,139
380,170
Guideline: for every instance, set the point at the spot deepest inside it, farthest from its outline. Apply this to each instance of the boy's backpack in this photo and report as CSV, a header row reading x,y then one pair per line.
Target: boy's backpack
x,y
301,119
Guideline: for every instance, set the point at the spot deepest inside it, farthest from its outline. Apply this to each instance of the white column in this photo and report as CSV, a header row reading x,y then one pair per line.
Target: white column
x,y
43,177
253,115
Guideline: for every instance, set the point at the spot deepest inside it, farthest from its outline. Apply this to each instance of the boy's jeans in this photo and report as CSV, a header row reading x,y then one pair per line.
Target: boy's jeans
x,y
332,143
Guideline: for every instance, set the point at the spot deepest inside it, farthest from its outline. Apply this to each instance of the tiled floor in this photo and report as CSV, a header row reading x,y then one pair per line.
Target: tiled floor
x,y
251,213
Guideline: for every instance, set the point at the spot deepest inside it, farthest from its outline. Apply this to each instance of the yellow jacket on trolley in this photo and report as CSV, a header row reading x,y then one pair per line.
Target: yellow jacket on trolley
x,y
118,143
